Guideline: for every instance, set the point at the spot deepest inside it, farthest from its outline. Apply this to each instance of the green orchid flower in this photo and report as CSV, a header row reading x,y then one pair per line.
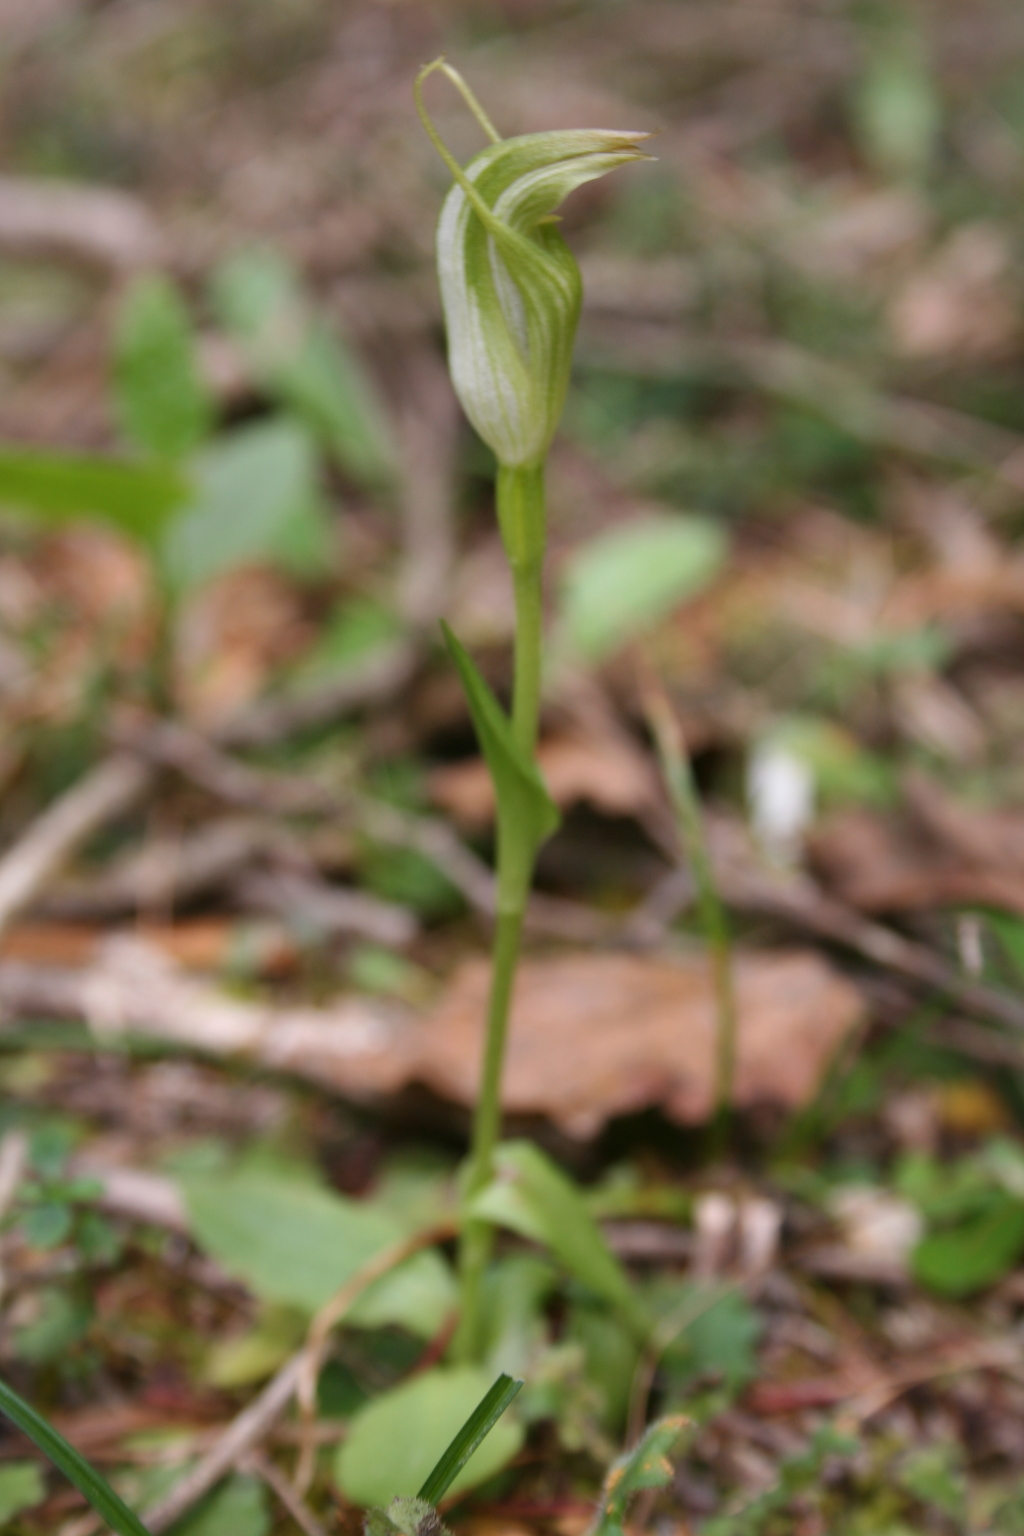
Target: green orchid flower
x,y
510,286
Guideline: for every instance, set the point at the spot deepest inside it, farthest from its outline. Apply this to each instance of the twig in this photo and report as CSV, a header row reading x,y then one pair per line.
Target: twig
x,y
327,1318
804,904
380,676
96,225
247,1430
282,1489
244,1432
50,841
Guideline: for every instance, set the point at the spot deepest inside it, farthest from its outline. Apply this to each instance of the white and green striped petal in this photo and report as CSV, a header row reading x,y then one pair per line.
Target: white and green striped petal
x,y
510,286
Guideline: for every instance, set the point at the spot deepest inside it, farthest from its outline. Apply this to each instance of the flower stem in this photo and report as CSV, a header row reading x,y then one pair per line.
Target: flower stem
x,y
678,775
520,495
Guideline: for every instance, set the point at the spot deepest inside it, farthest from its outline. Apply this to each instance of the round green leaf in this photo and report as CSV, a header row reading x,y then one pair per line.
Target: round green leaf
x,y
395,1441
625,581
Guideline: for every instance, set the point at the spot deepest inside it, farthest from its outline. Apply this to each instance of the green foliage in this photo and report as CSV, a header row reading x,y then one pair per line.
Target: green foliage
x,y
796,1474
526,813
257,498
21,1486
75,1468
622,583
719,1331
646,1466
532,1196
239,1507
135,498
897,110
296,1244
164,406
298,358
62,1319
975,1210
395,1442
966,1258
934,1476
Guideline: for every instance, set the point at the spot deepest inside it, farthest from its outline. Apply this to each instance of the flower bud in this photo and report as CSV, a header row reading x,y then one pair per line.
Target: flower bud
x,y
510,286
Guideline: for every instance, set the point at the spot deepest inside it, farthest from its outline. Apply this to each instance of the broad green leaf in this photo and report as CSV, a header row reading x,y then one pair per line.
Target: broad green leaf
x,y
59,487
646,1466
21,1486
624,582
395,1441
532,1196
526,813
239,1507
300,359
75,1468
257,499
163,403
295,1244
966,1258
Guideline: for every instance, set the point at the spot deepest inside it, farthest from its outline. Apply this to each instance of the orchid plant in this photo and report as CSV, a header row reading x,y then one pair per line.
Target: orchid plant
x,y
511,293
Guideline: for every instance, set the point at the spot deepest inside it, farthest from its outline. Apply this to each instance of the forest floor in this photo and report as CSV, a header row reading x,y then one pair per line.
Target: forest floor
x,y
246,832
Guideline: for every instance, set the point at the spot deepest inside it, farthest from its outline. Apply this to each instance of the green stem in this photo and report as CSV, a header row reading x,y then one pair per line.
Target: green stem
x,y
675,764
520,494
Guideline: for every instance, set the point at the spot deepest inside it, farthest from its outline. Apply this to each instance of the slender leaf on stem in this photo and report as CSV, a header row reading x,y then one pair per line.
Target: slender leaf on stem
x,y
479,1424
532,1196
526,813
89,1483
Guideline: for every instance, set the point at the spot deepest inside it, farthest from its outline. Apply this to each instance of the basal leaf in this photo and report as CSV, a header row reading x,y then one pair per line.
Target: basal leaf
x,y
296,1244
966,1258
622,583
532,1196
257,500
526,813
137,499
163,403
396,1440
305,363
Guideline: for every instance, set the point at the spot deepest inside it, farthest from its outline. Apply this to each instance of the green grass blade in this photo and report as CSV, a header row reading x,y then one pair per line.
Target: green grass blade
x,y
64,1456
479,1424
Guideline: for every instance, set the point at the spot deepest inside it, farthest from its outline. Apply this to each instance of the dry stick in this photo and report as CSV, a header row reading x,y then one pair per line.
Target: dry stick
x,y
106,791
282,1489
248,1429
329,1315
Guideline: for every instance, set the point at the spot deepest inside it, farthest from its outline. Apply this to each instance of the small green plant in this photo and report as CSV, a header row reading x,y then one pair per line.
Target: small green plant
x,y
411,1516
511,293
